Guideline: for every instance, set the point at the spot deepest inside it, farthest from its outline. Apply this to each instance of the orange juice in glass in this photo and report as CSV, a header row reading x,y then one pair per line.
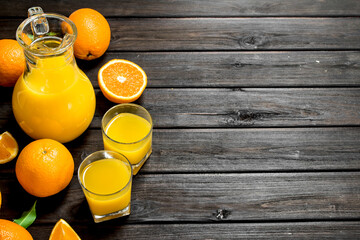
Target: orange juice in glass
x,y
127,129
53,98
106,178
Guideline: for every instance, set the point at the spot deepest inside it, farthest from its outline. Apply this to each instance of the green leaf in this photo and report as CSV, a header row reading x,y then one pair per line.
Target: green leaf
x,y
27,218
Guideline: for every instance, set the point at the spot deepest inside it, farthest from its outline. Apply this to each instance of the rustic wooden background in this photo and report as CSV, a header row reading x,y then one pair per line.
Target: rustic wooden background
x,y
256,106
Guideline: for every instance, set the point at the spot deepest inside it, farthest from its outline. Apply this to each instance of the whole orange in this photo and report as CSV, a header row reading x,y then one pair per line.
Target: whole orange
x,y
44,167
12,62
94,33
13,231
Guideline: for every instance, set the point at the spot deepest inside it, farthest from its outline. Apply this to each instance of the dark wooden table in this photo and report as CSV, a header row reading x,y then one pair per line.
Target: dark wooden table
x,y
256,107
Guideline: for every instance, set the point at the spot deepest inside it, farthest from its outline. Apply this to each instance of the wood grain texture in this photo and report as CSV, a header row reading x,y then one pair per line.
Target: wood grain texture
x,y
216,34
240,69
205,198
234,34
238,107
252,107
234,150
297,230
227,150
180,8
256,106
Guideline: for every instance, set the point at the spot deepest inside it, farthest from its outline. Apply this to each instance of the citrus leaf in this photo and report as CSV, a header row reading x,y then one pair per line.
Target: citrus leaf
x,y
27,218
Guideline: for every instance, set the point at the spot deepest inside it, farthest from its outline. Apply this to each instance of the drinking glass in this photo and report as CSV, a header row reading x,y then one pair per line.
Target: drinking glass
x,y
100,181
138,123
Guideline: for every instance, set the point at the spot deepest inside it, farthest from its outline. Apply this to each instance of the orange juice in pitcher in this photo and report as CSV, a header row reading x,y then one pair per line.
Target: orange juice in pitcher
x,y
53,98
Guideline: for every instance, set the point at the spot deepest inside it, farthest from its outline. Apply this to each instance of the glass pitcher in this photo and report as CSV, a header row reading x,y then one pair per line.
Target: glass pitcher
x,y
53,98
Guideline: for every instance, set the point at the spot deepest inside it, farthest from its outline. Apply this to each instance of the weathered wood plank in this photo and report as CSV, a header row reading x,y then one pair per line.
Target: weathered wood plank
x,y
240,69
191,8
234,34
297,230
234,150
179,34
254,150
208,198
252,107
238,107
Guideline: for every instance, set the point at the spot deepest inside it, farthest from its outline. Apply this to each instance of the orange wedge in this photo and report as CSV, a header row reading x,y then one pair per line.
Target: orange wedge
x,y
122,81
8,147
62,230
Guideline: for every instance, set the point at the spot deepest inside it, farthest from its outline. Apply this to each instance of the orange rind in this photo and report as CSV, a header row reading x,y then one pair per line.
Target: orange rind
x,y
8,147
62,230
122,81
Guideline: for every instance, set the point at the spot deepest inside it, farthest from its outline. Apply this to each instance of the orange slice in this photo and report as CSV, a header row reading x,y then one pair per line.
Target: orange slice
x,y
62,230
8,147
122,81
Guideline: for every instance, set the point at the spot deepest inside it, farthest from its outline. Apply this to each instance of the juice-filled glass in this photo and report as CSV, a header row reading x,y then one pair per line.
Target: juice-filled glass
x,y
106,179
127,129
53,98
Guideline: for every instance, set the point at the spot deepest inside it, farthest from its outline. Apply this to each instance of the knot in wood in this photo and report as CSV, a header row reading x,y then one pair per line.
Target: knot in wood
x,y
222,214
241,117
252,42
241,65
248,115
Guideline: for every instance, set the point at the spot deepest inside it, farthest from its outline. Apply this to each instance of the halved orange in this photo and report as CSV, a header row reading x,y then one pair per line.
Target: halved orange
x,y
122,81
8,147
62,230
